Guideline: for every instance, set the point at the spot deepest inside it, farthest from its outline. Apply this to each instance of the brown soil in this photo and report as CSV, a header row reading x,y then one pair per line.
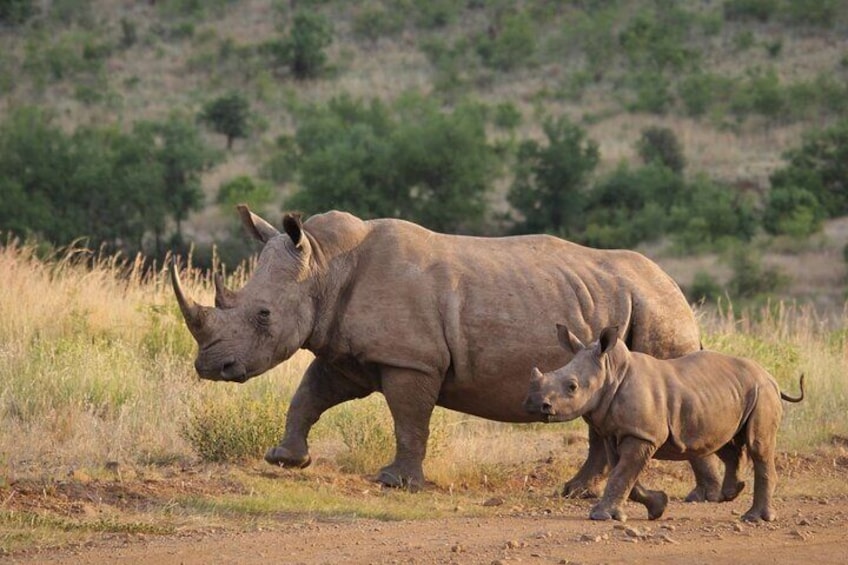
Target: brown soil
x,y
812,526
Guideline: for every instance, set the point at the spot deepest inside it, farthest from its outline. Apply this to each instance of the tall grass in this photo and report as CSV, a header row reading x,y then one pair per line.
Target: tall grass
x,y
96,366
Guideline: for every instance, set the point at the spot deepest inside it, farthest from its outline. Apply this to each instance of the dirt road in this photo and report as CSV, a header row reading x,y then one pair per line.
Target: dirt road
x,y
809,530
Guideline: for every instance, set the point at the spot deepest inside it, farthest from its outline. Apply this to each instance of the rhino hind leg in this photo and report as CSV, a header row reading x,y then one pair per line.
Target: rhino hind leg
x,y
707,481
733,485
588,480
629,458
761,437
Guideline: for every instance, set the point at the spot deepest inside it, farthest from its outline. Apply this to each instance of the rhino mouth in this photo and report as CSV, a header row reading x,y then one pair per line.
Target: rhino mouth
x,y
234,371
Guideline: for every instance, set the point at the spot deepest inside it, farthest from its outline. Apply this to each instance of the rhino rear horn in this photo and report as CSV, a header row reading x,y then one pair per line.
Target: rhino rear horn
x,y
224,297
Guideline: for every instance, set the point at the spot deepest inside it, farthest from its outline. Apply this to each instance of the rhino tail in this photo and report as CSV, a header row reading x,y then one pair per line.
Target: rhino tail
x,y
788,398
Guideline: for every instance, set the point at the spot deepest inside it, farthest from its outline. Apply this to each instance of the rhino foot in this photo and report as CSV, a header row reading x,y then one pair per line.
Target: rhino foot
x,y
283,457
755,515
392,477
656,504
705,494
730,494
603,513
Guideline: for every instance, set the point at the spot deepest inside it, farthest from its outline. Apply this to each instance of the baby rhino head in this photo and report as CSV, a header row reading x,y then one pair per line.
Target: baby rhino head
x,y
571,391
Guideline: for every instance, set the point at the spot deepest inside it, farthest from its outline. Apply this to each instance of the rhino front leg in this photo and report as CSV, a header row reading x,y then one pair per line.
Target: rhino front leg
x,y
322,387
629,458
587,482
411,397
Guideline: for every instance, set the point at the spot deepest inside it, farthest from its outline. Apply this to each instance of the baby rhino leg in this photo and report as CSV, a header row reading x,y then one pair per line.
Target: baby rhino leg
x,y
731,455
654,500
761,436
628,459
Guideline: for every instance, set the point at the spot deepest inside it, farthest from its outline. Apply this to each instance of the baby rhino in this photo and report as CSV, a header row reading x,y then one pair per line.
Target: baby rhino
x,y
678,409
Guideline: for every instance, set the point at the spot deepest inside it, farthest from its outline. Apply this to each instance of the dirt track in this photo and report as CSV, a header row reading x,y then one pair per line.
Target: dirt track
x,y
808,530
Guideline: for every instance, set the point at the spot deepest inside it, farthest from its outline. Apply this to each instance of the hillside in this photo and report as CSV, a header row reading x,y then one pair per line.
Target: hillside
x,y
738,82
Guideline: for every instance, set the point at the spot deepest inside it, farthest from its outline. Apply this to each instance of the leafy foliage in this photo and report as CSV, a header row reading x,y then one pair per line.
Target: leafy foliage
x,y
660,145
228,115
412,161
820,166
551,180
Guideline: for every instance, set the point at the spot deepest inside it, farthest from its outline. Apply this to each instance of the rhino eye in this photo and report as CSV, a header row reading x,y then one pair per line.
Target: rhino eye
x,y
572,386
264,315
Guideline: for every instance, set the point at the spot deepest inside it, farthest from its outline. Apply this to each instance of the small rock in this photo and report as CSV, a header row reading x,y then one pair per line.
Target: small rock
x,y
633,532
494,501
735,512
619,526
800,534
737,527
669,527
590,537
511,544
665,538
803,522
456,548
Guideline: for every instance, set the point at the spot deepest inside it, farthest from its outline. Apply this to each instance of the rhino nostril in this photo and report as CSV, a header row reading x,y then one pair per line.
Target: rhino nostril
x,y
547,408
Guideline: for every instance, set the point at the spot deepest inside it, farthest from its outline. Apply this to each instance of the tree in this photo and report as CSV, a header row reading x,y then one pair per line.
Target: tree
x,y
411,161
182,156
550,181
227,115
303,50
820,166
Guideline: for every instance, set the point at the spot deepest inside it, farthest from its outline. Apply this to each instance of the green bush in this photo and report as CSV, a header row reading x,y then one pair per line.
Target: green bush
x,y
234,431
704,288
700,92
760,10
821,13
661,145
302,52
373,21
244,190
432,14
820,166
792,211
652,92
513,45
507,116
15,12
760,93
750,280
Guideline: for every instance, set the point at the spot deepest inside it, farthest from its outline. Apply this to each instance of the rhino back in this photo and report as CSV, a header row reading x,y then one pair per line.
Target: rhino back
x,y
481,312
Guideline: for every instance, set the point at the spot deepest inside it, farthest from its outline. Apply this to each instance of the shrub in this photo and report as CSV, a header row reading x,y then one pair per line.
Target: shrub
x,y
373,21
760,10
820,166
244,190
512,46
704,288
507,116
750,279
16,11
236,430
821,13
792,211
700,91
302,52
652,92
660,145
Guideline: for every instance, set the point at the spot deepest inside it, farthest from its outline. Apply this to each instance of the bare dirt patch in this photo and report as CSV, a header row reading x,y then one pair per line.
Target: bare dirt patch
x,y
525,523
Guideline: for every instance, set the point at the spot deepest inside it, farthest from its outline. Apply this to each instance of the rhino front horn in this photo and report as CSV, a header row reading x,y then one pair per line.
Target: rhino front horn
x,y
192,312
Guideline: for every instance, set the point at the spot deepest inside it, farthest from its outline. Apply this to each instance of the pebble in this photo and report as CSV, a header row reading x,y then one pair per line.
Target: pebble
x,y
494,501
737,527
666,539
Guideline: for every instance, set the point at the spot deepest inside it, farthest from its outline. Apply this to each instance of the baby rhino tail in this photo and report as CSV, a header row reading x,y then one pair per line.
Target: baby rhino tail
x,y
796,399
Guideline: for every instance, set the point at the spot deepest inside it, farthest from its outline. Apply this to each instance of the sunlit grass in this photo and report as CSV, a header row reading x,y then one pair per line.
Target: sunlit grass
x,y
96,366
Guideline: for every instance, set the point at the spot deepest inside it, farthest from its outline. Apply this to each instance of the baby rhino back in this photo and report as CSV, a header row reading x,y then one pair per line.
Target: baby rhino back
x,y
709,398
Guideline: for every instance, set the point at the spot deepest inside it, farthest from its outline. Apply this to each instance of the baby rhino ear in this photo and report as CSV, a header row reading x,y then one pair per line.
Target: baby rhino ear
x,y
568,340
608,338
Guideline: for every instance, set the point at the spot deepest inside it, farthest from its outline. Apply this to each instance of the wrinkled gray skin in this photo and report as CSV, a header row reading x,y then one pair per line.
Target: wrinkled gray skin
x,y
644,407
428,319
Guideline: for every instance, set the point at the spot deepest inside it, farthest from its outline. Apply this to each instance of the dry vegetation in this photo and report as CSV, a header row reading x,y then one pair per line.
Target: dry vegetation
x,y
98,389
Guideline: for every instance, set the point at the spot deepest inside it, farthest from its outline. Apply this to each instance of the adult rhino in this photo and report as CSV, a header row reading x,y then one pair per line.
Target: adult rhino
x,y
429,320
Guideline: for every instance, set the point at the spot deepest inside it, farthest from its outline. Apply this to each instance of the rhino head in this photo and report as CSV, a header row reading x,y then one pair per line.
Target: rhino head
x,y
572,390
253,329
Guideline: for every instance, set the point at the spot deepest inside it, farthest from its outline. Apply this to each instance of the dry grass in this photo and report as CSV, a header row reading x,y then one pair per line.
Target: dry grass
x,y
96,366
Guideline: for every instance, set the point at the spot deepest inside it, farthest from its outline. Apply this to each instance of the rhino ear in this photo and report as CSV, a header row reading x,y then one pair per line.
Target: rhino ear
x,y
256,226
568,340
609,336
293,226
